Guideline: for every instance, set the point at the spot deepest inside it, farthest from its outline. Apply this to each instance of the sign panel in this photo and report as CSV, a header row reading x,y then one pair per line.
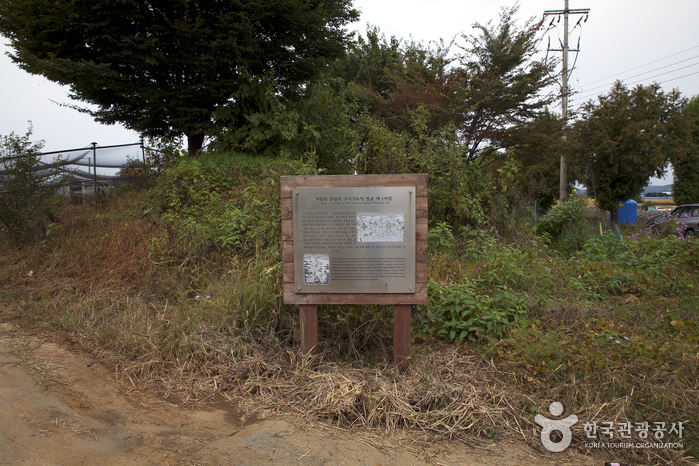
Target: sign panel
x,y
354,239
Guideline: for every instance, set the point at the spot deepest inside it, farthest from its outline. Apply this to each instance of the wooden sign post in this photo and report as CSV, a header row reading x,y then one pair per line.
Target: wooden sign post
x,y
355,239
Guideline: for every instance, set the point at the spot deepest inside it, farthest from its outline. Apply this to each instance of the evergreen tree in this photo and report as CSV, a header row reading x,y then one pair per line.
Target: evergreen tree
x,y
685,188
625,138
162,67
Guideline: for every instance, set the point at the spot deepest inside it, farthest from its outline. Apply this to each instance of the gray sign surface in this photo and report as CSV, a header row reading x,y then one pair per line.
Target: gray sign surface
x,y
354,240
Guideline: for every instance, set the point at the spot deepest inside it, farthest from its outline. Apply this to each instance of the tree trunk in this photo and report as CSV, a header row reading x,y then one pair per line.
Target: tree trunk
x,y
194,144
614,217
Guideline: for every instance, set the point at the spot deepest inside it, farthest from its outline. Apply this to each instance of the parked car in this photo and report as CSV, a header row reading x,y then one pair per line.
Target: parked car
x,y
685,219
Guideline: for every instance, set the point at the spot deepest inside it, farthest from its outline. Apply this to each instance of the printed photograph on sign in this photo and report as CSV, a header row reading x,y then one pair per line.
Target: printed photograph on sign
x,y
380,228
316,269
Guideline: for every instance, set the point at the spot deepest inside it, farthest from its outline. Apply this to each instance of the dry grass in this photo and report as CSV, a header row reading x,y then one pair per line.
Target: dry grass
x,y
462,396
95,280
83,251
448,393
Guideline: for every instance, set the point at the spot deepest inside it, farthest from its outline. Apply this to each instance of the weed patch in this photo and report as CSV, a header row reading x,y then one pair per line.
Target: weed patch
x,y
179,288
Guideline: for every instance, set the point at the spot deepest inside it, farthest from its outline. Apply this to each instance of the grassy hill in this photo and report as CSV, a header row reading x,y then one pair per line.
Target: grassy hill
x,y
178,286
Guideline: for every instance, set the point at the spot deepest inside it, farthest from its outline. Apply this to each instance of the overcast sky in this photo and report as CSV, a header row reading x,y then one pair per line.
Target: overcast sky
x,y
638,42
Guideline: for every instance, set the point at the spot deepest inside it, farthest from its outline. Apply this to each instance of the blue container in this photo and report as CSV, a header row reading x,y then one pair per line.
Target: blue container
x,y
627,212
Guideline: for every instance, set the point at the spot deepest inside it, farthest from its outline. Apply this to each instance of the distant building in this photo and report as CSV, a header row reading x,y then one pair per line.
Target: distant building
x,y
659,195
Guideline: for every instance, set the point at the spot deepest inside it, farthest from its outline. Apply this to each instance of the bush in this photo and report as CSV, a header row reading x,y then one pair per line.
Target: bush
x,y
28,188
220,203
160,154
463,311
640,264
565,225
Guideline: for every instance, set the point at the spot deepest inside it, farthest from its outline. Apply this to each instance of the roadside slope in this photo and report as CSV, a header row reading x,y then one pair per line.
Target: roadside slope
x,y
61,406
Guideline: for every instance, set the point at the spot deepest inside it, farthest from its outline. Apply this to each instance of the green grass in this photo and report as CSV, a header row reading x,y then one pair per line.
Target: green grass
x,y
185,281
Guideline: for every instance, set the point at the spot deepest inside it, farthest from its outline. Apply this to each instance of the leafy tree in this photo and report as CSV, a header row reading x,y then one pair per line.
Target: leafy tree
x,y
421,81
685,188
537,149
162,67
28,188
502,85
454,116
381,150
370,62
485,92
316,123
625,138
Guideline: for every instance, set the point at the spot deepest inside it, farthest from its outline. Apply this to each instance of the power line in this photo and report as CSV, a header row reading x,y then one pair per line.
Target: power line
x,y
680,77
587,95
649,63
653,70
589,92
691,88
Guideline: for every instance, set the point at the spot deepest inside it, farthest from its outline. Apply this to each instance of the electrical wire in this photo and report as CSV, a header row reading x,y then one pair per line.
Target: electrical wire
x,y
587,95
641,66
652,71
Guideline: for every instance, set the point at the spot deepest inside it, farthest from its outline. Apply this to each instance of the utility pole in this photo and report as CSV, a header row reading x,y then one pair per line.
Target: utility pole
x,y
566,12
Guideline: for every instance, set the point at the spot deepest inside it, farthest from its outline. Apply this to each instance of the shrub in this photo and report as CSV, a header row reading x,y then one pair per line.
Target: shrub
x,y
220,203
463,311
565,225
28,188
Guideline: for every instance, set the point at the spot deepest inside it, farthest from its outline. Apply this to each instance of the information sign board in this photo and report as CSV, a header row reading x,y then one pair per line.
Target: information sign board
x,y
354,240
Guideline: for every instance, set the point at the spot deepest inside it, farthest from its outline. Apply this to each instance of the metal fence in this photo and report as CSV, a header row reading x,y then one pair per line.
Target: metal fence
x,y
88,171
81,167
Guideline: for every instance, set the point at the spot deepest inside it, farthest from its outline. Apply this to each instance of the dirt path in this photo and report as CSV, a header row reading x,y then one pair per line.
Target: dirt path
x,y
59,406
